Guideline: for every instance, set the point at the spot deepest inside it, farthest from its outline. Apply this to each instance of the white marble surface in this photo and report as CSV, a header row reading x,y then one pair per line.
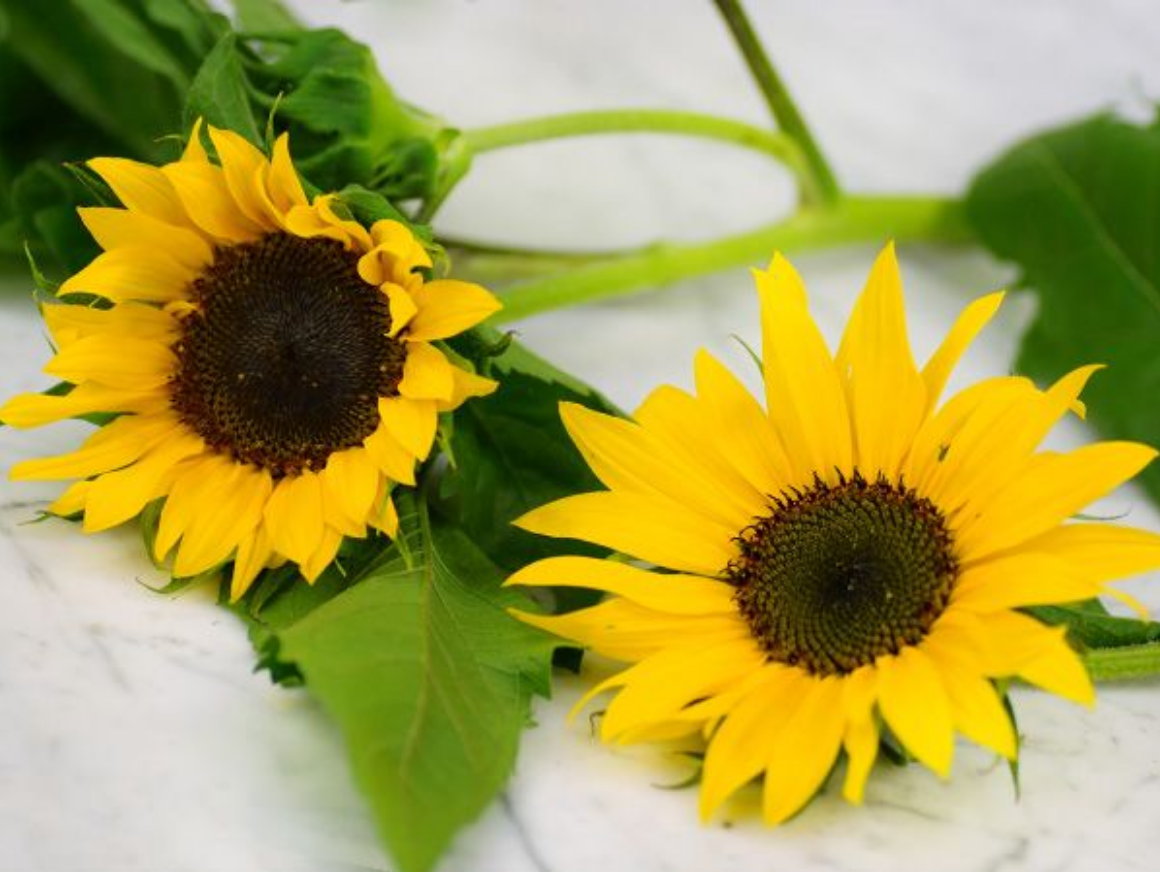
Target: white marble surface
x,y
133,736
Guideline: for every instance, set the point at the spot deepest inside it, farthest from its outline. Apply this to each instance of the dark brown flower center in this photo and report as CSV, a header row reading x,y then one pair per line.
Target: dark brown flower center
x,y
836,576
286,355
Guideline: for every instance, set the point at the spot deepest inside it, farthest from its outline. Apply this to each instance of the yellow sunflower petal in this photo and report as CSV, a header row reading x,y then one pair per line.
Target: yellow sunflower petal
x,y
623,630
73,500
914,703
860,736
685,426
448,307
944,444
190,479
1060,671
68,323
1049,491
465,386
1003,451
320,220
1015,644
1019,580
351,481
649,528
115,497
122,228
229,511
977,711
142,188
323,555
35,410
426,374
860,741
194,151
411,423
209,203
294,516
390,457
282,183
942,363
402,306
115,445
385,517
658,687
676,594
243,168
626,457
115,362
136,273
740,748
742,427
879,364
804,752
804,396
1100,550
402,253
253,555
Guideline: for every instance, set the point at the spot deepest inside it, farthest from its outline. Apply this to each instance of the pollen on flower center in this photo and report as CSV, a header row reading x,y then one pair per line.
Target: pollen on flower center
x,y
285,355
836,576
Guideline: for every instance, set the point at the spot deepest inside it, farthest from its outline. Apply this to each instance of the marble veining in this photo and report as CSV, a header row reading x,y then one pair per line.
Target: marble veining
x,y
136,736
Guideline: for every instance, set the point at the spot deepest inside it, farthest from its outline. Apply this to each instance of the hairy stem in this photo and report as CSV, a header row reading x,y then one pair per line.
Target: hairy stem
x,y
1121,664
823,186
666,121
851,219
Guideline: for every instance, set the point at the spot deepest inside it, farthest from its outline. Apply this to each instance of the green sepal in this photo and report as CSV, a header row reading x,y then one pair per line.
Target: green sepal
x,y
1013,763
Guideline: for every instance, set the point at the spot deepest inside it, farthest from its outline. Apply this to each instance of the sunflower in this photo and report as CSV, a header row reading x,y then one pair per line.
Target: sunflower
x,y
268,363
850,560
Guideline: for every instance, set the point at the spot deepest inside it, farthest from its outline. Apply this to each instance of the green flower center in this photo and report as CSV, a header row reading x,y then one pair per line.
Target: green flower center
x,y
285,357
838,575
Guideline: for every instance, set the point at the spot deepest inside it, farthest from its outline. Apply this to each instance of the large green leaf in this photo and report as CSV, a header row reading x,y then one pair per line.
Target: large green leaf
x,y
430,680
1078,209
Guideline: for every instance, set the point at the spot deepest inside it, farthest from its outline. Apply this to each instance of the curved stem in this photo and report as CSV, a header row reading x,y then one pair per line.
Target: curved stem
x,y
1122,664
776,145
823,187
850,219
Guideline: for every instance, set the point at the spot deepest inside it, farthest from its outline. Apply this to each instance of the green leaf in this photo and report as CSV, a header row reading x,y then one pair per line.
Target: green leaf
x,y
512,453
430,680
117,23
264,16
1077,209
44,198
220,93
1090,626
91,54
191,21
367,207
347,124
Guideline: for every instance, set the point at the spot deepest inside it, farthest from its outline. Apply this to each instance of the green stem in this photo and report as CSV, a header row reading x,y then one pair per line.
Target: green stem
x,y
696,124
823,184
850,219
1122,664
498,265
